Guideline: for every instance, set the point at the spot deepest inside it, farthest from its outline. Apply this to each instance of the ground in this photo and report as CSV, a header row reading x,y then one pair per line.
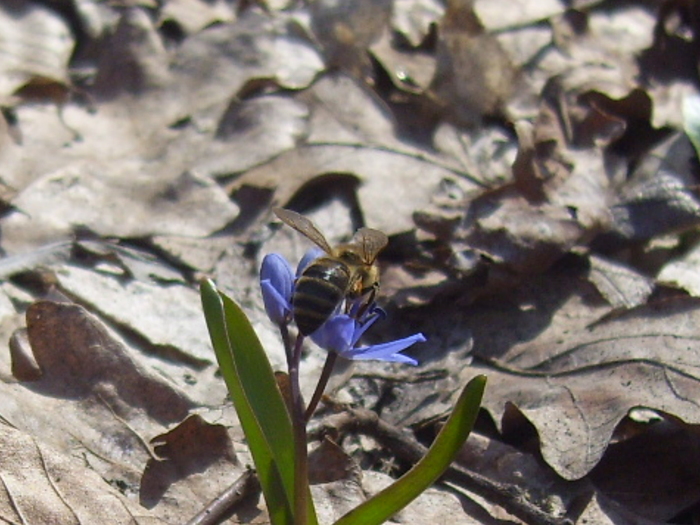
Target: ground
x,y
534,165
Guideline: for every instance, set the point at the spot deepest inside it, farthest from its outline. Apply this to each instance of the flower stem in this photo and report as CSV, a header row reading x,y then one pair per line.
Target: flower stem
x,y
301,464
321,386
287,341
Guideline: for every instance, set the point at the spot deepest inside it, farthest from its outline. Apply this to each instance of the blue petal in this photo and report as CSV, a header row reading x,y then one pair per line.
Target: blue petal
x,y
336,334
386,351
276,306
276,269
371,316
309,257
277,284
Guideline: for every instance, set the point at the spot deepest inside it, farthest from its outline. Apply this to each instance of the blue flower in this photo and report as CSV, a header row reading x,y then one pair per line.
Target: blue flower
x,y
341,333
277,284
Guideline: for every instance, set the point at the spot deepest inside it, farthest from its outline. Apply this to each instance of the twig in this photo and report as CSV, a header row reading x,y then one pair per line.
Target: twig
x,y
421,377
509,496
213,513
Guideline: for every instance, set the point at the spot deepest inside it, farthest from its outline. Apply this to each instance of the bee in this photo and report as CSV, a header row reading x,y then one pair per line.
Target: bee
x,y
346,271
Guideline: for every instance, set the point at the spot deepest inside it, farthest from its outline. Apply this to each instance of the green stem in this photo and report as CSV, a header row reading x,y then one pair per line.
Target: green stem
x,y
321,386
301,463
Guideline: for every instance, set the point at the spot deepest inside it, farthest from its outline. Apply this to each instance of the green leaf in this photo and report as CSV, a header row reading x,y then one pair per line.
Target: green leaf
x,y
443,450
258,402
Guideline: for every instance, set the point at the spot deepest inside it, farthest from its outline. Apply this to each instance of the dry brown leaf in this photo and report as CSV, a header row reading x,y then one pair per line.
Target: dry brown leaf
x,y
100,196
351,132
652,473
217,62
182,337
346,31
596,51
575,390
195,453
196,253
35,46
77,358
244,99
380,171
194,15
133,60
683,272
658,198
620,285
328,462
40,485
413,18
474,76
252,132
411,71
504,14
603,510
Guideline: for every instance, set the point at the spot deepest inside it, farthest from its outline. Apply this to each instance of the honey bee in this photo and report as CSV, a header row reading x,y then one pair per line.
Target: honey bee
x,y
346,271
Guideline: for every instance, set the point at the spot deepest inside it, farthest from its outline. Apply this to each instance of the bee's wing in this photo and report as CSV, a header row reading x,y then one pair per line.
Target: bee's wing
x,y
371,242
303,226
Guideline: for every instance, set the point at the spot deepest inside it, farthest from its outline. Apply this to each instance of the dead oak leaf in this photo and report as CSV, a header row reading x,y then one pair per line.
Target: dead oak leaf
x,y
79,359
575,390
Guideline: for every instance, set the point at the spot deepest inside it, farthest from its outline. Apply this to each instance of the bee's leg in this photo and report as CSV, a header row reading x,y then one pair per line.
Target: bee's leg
x,y
371,292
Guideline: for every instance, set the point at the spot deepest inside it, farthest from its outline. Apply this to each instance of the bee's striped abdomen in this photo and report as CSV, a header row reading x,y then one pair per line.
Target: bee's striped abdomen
x,y
318,291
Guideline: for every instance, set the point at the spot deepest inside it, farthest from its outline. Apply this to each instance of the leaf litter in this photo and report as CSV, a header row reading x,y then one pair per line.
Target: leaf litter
x,y
527,160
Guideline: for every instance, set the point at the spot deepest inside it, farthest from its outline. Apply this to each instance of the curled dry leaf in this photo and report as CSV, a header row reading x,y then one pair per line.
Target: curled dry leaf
x,y
196,453
659,198
24,365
